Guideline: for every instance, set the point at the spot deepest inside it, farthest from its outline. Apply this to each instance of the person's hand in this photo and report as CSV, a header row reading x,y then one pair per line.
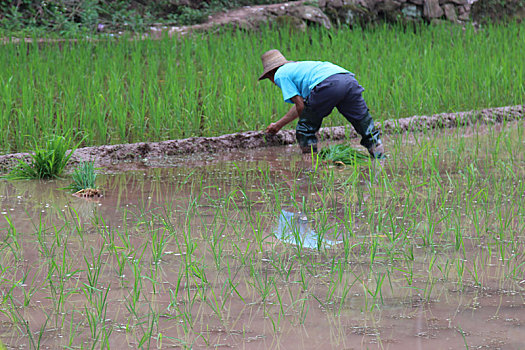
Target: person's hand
x,y
273,128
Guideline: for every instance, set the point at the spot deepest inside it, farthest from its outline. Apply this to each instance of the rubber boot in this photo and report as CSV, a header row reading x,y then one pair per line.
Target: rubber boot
x,y
370,136
305,132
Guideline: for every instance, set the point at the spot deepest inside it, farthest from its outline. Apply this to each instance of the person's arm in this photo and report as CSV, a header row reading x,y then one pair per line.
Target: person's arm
x,y
290,116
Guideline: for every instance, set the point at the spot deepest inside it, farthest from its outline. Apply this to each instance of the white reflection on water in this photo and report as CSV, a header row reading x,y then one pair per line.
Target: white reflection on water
x,y
294,228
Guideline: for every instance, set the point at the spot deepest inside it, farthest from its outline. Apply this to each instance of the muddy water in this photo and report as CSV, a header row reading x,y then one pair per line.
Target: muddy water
x,y
193,251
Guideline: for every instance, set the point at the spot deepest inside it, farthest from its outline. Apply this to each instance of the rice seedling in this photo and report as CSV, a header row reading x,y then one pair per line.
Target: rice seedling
x,y
84,177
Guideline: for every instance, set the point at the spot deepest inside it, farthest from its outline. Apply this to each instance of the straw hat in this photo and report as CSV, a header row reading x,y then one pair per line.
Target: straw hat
x,y
272,59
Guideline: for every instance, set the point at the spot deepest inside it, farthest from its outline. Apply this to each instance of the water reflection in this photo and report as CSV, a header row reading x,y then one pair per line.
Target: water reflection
x,y
294,228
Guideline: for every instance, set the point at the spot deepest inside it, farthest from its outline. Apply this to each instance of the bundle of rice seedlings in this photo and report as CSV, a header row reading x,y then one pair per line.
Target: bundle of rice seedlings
x,y
84,179
343,154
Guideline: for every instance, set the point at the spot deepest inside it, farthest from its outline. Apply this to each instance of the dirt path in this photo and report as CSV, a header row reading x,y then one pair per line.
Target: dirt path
x,y
111,154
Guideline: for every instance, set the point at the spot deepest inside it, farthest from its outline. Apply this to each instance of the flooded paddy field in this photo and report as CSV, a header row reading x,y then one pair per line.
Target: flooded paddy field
x,y
263,249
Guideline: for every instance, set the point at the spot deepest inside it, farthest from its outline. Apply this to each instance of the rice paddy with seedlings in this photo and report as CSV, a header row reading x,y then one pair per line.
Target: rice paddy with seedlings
x,y
120,91
263,249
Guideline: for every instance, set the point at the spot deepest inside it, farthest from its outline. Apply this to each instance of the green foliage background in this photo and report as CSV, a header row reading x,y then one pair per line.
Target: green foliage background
x,y
74,16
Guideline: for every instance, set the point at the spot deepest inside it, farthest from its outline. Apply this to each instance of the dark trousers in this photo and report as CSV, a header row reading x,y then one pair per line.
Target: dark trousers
x,y
341,91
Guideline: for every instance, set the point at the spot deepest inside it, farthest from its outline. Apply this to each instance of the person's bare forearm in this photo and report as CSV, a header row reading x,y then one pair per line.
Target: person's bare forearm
x,y
289,117
293,113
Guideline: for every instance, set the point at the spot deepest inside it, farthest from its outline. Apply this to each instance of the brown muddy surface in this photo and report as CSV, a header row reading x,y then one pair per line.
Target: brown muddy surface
x,y
166,152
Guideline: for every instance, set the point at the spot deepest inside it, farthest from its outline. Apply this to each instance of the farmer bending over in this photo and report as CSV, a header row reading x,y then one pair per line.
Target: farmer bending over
x,y
315,88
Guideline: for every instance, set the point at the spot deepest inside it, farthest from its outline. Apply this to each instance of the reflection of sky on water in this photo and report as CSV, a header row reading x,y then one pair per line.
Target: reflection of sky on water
x,y
294,228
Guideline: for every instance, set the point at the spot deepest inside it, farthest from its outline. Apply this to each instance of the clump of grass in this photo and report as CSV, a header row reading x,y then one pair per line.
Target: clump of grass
x,y
48,161
84,177
343,153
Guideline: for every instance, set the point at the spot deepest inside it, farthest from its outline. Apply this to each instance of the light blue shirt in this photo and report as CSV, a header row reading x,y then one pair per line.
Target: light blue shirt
x,y
299,78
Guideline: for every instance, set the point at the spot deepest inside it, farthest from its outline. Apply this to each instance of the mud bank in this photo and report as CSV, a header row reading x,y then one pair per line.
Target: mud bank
x,y
135,152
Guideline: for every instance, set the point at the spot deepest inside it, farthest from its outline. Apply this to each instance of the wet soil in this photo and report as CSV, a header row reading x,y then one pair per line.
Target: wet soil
x,y
164,152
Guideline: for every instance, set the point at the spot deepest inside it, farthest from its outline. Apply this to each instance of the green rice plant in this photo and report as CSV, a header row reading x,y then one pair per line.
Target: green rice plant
x,y
19,317
120,91
47,161
96,312
84,177
343,153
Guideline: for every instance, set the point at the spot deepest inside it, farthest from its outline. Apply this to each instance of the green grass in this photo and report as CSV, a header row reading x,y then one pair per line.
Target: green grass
x,y
120,91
